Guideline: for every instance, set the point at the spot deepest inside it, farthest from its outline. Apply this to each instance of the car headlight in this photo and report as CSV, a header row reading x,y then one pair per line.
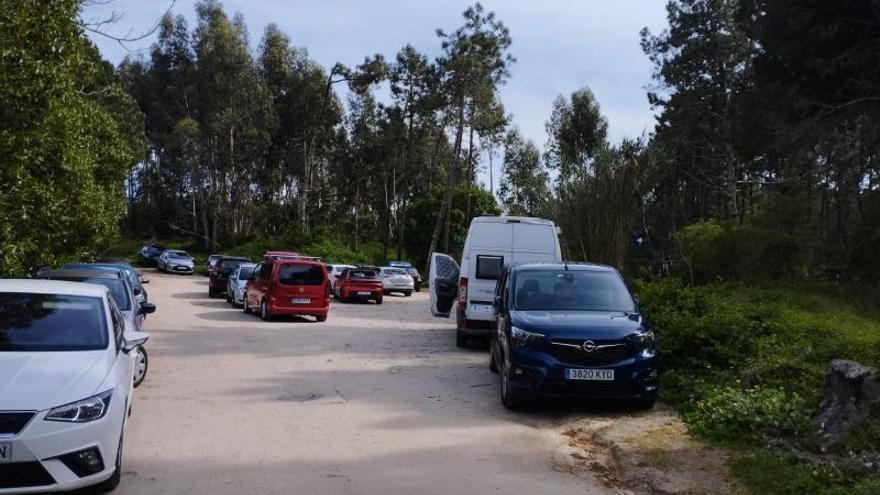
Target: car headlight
x,y
523,338
82,411
645,342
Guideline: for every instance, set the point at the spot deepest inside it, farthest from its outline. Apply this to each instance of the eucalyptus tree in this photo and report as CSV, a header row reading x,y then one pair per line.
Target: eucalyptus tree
x,y
524,188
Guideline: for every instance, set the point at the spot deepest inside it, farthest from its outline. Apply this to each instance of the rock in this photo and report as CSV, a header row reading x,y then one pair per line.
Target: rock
x,y
851,391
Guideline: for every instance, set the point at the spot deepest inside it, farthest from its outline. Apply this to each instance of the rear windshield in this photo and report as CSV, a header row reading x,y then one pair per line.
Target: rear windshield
x,y
394,271
49,322
549,290
230,263
363,274
300,275
245,272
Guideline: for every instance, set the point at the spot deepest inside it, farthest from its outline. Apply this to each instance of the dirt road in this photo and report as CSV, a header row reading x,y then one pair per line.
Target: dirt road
x,y
377,400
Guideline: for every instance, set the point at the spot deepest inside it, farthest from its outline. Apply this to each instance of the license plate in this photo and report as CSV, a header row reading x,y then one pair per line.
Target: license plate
x,y
364,293
5,452
590,375
300,300
481,308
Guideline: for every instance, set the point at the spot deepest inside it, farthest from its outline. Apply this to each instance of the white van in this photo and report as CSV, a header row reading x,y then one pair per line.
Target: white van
x,y
491,243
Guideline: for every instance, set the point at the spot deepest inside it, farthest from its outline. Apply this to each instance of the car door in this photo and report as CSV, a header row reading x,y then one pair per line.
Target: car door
x,y
125,362
443,278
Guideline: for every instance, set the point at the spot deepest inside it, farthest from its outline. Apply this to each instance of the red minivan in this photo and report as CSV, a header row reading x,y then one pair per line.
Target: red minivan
x,y
358,283
288,287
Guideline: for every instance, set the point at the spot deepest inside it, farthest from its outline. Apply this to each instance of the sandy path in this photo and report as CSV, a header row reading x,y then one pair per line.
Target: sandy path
x,y
377,400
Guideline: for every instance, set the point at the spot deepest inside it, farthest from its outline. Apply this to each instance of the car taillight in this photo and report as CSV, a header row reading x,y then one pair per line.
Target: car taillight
x,y
462,292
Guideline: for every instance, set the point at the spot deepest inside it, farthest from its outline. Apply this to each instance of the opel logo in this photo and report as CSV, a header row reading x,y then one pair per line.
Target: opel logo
x,y
589,346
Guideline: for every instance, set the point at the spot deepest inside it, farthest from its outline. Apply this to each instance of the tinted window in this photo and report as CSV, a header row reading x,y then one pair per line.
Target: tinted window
x,y
245,272
488,267
49,322
571,291
230,263
117,289
300,275
363,274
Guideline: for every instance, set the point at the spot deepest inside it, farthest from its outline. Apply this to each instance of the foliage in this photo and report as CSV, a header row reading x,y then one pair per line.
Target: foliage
x,y
66,139
525,187
746,414
769,474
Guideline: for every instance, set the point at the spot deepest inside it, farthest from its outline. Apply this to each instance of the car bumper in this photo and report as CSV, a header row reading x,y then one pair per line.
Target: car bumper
x,y
397,287
36,467
179,269
354,294
539,375
474,328
304,309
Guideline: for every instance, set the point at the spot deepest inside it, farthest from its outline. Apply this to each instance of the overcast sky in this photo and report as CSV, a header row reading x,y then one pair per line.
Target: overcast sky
x,y
560,45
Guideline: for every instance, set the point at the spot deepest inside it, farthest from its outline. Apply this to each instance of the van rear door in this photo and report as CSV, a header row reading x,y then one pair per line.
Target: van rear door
x,y
443,278
535,243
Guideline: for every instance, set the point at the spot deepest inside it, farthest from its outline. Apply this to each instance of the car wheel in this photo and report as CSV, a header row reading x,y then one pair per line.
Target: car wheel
x,y
644,404
321,318
493,365
379,300
244,304
460,340
112,482
407,293
228,297
264,311
509,398
141,363
212,293
418,289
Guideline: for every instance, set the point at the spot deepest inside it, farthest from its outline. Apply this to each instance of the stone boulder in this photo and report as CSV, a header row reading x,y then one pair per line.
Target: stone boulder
x,y
851,392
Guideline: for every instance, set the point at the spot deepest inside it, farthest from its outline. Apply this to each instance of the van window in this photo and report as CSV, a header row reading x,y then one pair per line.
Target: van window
x,y
488,267
291,274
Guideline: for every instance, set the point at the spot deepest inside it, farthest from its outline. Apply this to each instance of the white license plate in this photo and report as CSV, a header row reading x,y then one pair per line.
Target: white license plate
x,y
591,375
300,300
481,308
364,293
5,452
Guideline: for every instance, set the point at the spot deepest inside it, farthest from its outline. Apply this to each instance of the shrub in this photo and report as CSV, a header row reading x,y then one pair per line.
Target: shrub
x,y
736,414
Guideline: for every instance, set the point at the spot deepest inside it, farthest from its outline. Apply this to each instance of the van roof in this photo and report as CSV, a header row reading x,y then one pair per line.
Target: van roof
x,y
579,266
511,219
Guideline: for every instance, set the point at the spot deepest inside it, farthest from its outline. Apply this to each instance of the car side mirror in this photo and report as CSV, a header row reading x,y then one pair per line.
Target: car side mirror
x,y
136,291
145,281
133,340
147,309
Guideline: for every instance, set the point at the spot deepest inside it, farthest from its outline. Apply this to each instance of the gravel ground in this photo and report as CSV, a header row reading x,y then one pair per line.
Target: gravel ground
x,y
377,400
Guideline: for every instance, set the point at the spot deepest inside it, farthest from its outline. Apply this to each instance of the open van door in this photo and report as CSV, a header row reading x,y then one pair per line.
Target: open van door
x,y
443,278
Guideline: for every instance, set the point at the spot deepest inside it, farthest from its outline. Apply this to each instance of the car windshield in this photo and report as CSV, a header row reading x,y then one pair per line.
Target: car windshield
x,y
571,290
50,322
117,289
245,272
230,263
295,274
178,254
363,274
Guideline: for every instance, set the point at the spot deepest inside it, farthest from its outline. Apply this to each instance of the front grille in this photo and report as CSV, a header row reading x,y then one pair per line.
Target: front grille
x,y
11,423
588,388
24,475
600,357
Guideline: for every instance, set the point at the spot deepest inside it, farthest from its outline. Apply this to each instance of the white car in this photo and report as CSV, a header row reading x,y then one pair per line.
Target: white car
x,y
236,283
334,271
396,280
66,369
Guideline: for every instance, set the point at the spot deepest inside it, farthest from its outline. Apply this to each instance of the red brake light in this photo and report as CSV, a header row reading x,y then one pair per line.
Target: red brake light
x,y
462,292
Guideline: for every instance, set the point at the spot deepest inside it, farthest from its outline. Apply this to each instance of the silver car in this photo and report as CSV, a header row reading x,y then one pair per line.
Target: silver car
x,y
396,280
236,283
175,261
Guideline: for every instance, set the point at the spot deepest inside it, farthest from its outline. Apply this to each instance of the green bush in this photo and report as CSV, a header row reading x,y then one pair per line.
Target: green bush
x,y
737,414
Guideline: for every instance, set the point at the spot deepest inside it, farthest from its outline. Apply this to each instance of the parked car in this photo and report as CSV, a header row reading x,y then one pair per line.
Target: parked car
x,y
121,262
67,381
288,287
211,261
149,254
132,311
237,282
491,243
137,285
219,275
361,283
176,261
396,280
333,271
571,330
411,270
274,255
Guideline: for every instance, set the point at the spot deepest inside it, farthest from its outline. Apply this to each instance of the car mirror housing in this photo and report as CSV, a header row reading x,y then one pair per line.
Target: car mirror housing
x,y
133,340
147,308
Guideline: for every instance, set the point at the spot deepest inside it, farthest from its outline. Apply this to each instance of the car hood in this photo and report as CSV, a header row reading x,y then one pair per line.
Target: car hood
x,y
35,381
180,261
579,324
